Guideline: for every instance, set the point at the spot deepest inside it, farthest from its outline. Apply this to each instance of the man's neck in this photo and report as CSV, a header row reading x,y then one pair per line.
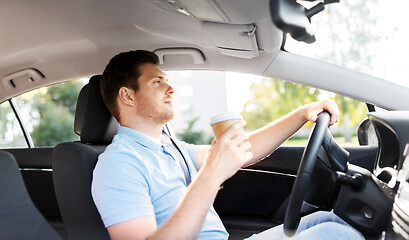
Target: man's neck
x,y
150,129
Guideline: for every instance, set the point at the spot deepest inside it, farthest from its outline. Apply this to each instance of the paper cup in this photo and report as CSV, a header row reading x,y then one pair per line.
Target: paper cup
x,y
221,122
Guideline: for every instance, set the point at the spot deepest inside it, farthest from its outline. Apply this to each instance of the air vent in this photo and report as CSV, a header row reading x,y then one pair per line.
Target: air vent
x,y
22,79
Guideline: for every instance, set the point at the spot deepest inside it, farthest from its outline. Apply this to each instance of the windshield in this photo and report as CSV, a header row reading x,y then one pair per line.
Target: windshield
x,y
369,36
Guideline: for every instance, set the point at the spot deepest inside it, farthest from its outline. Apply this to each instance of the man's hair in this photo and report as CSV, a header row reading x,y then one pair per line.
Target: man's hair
x,y
123,71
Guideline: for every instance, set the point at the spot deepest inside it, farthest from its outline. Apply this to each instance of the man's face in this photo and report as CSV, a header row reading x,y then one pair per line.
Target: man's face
x,y
154,97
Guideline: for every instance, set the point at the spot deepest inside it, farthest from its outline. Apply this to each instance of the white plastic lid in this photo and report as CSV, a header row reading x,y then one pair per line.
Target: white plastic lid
x,y
225,116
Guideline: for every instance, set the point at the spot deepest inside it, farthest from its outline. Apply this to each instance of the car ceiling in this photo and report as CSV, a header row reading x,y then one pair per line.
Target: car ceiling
x,y
63,40
47,41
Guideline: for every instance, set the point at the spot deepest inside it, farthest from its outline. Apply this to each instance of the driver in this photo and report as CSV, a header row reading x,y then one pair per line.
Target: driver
x,y
139,187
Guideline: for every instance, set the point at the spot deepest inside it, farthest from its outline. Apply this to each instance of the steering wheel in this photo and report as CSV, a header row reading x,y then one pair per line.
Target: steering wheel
x,y
300,187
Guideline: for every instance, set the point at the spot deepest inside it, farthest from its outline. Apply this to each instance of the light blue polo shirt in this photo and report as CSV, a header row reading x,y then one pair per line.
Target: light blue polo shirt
x,y
137,176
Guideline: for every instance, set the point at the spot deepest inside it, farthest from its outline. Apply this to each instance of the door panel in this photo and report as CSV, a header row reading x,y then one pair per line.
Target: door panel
x,y
256,197
39,157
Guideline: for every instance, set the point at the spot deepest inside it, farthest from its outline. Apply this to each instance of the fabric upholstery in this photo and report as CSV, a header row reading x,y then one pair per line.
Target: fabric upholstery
x,y
93,122
74,162
19,218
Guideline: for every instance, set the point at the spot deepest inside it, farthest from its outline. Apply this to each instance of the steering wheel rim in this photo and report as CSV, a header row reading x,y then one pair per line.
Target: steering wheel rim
x,y
305,169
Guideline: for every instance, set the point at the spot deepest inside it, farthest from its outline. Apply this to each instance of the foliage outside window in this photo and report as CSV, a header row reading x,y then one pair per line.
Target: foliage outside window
x,y
271,99
268,100
49,112
367,35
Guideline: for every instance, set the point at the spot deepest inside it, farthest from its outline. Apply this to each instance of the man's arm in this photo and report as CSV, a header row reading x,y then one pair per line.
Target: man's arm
x,y
189,216
268,138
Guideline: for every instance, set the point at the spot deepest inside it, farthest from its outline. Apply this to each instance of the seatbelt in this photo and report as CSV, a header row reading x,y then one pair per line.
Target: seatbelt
x,y
183,164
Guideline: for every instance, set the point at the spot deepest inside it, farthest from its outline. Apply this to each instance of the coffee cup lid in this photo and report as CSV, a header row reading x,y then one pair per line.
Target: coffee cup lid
x,y
225,116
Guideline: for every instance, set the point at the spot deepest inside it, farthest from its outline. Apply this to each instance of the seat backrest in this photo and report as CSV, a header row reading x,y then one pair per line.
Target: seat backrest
x,y
19,218
74,162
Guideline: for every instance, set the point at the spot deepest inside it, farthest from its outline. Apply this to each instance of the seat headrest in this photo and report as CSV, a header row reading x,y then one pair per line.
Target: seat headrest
x,y
93,122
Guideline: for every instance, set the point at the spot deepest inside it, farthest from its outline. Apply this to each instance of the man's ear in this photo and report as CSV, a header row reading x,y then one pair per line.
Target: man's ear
x,y
126,96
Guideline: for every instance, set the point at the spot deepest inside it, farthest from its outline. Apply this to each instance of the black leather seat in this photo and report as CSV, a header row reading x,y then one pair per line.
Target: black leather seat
x,y
74,162
19,218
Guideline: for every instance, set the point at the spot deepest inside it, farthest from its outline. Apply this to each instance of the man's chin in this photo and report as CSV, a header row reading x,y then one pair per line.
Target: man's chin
x,y
171,116
168,117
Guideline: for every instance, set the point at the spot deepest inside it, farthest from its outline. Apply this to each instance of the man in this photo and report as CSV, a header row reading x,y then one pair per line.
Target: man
x,y
139,186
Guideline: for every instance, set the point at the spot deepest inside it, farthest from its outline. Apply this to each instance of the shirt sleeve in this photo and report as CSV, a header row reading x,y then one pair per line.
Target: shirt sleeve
x,y
120,188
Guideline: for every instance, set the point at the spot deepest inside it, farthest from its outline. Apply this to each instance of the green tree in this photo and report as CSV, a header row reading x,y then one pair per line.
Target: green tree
x,y
191,136
270,99
351,114
354,34
52,110
65,94
56,125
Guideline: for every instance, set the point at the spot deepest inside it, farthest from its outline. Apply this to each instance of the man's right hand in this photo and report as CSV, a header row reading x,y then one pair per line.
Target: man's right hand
x,y
228,154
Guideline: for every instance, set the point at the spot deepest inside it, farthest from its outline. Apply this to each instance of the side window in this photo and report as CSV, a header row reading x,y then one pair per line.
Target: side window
x,y
201,94
11,134
48,112
271,99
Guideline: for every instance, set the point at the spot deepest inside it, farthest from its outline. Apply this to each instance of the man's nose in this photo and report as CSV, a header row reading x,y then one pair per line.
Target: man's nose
x,y
170,90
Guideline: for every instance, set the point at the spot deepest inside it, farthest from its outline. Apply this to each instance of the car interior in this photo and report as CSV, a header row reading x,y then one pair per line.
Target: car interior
x,y
45,190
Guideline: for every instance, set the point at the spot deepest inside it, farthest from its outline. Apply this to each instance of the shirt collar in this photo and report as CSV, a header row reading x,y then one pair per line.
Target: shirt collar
x,y
143,139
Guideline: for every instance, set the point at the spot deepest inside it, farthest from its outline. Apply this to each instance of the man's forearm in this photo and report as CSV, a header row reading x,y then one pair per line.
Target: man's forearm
x,y
266,139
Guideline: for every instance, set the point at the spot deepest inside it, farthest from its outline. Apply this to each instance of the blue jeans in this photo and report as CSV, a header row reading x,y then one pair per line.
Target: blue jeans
x,y
318,225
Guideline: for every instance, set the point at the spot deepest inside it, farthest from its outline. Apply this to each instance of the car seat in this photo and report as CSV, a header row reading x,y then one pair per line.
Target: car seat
x,y
19,218
74,162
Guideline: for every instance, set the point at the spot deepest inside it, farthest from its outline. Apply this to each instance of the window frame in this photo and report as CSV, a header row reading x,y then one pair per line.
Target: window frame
x,y
26,134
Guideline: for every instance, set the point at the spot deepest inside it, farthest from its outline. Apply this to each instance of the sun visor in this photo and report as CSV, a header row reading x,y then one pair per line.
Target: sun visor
x,y
236,40
202,9
189,55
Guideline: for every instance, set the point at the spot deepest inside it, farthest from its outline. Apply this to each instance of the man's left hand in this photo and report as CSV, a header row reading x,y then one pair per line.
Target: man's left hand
x,y
314,109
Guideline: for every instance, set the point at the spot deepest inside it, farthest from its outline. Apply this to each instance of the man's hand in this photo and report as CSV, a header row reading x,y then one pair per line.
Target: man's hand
x,y
228,154
312,110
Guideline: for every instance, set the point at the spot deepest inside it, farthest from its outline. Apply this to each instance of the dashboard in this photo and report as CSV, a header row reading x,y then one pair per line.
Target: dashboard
x,y
387,183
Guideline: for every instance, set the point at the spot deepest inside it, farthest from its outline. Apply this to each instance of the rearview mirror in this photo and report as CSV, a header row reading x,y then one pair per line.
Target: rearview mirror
x,y
293,18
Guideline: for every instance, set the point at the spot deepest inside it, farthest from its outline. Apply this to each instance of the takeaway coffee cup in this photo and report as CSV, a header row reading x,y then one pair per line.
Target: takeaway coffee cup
x,y
221,122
